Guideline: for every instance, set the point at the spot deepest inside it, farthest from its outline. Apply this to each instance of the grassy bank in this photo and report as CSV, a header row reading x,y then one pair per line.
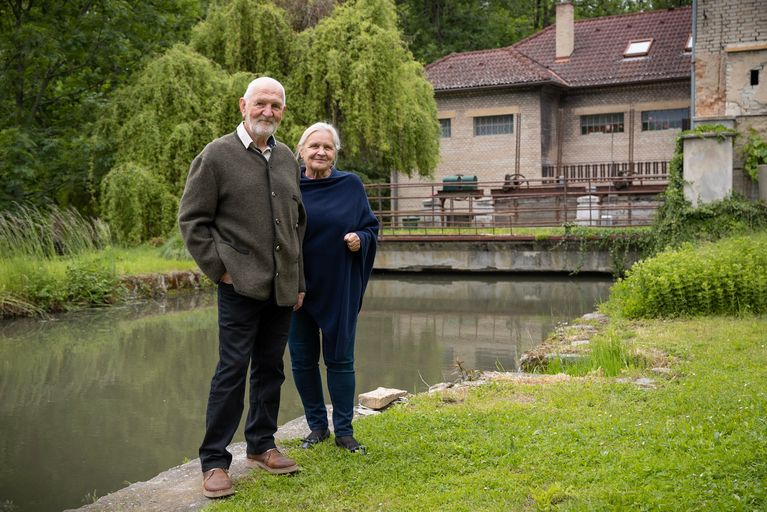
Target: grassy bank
x,y
696,439
34,285
55,260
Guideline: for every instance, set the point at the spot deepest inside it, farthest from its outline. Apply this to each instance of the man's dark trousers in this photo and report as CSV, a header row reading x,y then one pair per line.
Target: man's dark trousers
x,y
250,332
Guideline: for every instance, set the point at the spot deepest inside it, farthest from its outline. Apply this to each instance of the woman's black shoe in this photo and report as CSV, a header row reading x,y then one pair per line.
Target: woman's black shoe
x,y
315,437
351,444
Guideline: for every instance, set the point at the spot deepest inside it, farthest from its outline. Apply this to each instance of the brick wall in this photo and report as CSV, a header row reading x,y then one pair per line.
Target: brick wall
x,y
536,113
724,26
606,147
535,117
723,22
489,157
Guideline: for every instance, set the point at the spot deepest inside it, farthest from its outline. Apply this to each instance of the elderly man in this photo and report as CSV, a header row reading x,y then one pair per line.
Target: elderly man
x,y
243,221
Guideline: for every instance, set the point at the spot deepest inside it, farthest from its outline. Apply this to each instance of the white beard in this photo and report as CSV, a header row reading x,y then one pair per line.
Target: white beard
x,y
256,126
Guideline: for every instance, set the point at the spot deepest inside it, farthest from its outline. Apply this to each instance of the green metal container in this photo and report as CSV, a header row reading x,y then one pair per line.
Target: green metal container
x,y
459,183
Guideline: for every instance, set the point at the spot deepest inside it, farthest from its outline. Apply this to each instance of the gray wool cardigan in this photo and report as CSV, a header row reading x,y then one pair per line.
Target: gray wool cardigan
x,y
243,214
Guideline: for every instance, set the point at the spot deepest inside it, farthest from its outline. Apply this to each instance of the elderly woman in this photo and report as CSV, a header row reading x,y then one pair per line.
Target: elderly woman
x,y
339,248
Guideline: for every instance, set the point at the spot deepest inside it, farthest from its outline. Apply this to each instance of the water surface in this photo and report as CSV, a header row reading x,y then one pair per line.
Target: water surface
x,y
93,401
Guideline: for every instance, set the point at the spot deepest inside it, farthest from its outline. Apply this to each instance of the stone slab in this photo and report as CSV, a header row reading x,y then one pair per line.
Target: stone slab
x,y
380,397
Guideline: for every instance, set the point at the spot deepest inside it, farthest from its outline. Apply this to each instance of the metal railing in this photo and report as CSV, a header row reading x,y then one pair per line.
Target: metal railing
x,y
642,170
501,208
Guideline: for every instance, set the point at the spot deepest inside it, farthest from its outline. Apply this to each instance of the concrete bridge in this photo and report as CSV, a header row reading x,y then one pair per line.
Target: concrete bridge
x,y
474,254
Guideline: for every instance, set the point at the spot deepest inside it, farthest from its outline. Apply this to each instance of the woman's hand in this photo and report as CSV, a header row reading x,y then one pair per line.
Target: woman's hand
x,y
299,301
352,241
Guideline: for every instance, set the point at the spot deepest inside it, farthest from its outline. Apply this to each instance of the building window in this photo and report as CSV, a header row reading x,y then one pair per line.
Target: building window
x,y
754,77
638,48
493,125
678,118
602,123
688,46
444,124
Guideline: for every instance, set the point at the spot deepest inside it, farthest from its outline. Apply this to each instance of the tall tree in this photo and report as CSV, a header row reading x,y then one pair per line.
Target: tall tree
x,y
246,35
355,72
304,14
435,28
60,59
157,124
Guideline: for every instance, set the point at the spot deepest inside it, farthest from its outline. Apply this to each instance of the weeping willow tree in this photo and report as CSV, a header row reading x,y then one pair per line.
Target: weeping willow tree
x,y
354,71
351,69
158,123
246,35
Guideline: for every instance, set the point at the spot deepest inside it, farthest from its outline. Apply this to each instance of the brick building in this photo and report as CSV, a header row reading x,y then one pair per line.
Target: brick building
x,y
730,72
591,98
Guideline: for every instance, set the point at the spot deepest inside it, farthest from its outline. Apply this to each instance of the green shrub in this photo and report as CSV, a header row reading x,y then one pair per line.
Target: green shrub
x,y
31,286
725,277
136,204
174,248
37,284
677,221
754,154
92,282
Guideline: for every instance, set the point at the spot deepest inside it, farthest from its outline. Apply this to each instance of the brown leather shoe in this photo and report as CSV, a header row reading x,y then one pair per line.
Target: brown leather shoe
x,y
272,461
216,483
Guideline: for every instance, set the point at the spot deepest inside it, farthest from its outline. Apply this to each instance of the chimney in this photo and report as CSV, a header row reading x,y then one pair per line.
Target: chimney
x,y
565,30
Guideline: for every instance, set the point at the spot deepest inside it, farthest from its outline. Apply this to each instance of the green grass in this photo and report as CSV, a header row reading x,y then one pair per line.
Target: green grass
x,y
147,260
697,441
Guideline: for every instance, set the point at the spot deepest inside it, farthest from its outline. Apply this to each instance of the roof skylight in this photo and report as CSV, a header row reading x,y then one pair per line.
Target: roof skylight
x,y
638,48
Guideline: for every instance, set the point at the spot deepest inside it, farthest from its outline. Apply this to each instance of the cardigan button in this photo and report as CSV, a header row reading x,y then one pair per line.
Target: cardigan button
x,y
277,221
278,247
274,194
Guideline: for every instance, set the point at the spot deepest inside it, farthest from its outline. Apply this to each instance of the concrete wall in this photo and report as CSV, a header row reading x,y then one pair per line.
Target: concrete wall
x,y
707,168
491,256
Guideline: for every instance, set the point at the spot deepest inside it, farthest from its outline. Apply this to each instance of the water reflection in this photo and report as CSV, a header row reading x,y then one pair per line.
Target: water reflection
x,y
93,401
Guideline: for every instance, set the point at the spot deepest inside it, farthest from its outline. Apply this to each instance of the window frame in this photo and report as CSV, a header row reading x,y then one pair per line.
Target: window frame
x,y
446,123
664,121
611,122
627,53
502,124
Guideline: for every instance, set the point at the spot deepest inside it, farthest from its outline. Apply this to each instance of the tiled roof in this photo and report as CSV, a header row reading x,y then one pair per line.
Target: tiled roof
x,y
596,60
487,68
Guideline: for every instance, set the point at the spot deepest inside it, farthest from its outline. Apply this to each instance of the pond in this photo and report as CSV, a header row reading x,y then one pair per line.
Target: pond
x,y
93,401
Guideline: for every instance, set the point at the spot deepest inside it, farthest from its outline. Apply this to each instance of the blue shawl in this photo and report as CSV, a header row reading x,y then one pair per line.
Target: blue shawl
x,y
336,278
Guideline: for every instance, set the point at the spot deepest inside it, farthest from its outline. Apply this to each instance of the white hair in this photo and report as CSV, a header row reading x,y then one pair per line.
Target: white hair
x,y
316,127
263,81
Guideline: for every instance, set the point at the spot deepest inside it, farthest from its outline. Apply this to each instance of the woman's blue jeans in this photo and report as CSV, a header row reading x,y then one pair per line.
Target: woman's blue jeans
x,y
305,345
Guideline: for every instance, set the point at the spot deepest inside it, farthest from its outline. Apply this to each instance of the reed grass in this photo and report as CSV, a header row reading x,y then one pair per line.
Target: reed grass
x,y
46,233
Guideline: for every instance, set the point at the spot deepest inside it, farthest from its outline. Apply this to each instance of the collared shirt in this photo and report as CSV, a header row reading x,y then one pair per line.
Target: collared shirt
x,y
246,140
